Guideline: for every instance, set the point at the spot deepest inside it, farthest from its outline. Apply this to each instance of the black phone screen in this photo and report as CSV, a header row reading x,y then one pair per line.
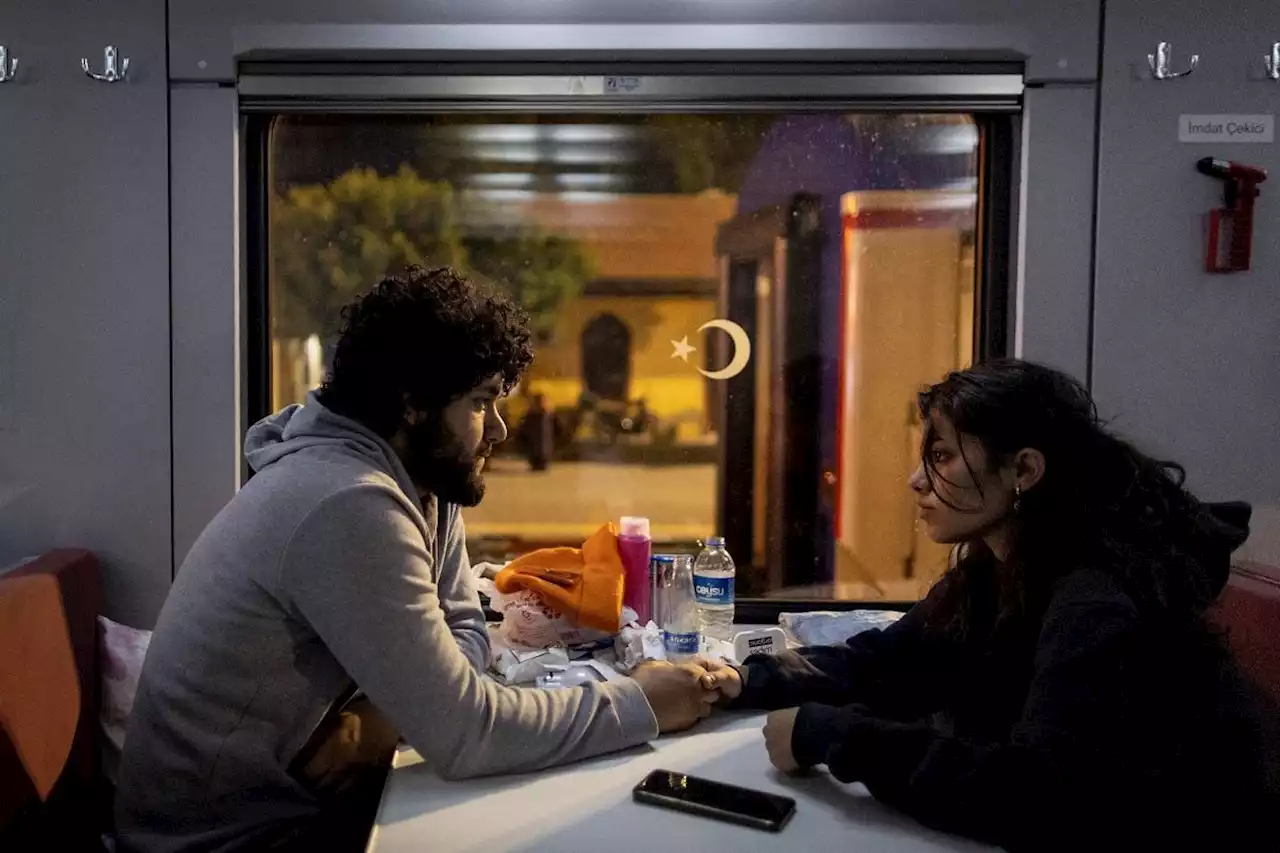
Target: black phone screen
x,y
715,799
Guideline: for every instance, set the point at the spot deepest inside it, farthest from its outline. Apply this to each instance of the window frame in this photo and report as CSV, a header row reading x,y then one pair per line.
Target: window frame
x,y
268,91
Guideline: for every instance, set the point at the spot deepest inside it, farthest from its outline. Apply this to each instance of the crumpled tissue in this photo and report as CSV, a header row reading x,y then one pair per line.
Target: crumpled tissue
x,y
526,666
553,667
635,644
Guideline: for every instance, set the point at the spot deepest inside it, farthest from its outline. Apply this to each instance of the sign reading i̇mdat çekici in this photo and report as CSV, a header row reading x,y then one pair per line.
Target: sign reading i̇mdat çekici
x,y
1226,128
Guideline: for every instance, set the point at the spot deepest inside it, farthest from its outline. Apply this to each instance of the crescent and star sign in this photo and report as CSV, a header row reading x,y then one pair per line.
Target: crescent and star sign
x,y
741,349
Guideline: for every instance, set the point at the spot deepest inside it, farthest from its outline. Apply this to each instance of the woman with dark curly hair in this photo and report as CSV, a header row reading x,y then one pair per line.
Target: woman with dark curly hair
x,y
1059,688
329,608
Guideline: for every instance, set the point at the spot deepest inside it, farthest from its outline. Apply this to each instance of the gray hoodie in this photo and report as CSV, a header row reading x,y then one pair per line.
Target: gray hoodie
x,y
326,571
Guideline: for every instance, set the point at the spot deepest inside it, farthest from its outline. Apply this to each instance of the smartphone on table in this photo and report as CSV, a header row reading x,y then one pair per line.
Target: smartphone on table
x,y
716,800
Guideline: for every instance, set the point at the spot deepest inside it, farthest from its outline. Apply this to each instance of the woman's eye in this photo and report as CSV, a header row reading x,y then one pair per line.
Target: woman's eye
x,y
939,456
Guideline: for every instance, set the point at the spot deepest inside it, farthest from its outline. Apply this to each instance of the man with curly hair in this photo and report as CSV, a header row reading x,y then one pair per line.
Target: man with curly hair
x,y
328,609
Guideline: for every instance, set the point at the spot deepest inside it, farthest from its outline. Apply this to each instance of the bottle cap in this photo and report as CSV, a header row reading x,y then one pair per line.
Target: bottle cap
x,y
634,525
715,541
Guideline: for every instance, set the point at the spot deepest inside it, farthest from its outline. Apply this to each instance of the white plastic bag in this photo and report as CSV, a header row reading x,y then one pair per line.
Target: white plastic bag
x,y
121,654
529,623
526,667
832,628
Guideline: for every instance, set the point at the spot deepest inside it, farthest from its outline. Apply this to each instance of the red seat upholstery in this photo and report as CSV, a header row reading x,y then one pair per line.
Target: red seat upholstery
x,y
48,701
1249,610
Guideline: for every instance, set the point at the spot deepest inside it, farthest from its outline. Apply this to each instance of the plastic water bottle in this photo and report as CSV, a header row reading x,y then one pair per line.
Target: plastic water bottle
x,y
680,638
713,574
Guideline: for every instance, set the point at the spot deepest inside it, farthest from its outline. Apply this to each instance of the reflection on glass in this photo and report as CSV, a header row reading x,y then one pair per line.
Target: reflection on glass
x,y
836,248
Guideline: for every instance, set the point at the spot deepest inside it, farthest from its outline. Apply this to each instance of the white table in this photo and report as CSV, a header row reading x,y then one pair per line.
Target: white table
x,y
587,807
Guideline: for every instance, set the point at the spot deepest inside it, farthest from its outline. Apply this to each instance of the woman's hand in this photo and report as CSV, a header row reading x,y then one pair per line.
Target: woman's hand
x,y
778,729
724,678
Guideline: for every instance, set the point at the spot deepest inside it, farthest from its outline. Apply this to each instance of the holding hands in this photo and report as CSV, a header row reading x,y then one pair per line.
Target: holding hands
x,y
726,679
682,694
679,694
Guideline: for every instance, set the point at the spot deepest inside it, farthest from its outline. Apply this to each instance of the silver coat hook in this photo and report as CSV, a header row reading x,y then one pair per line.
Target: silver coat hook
x,y
8,66
1272,62
1160,63
110,74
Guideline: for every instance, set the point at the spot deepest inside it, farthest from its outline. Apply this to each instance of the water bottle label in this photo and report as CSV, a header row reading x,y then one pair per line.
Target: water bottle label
x,y
680,644
713,591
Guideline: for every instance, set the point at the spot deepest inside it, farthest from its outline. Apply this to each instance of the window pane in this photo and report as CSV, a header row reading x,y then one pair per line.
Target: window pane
x,y
733,314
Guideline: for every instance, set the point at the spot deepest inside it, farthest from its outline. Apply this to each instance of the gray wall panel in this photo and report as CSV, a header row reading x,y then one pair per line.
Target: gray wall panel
x,y
206,307
84,459
1059,38
1055,249
1186,361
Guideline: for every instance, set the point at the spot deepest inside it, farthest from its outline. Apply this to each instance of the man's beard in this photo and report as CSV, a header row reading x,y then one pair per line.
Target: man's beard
x,y
437,462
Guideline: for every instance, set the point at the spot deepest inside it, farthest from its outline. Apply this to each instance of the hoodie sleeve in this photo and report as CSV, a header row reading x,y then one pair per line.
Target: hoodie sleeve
x,y
904,671
458,598
357,570
1066,756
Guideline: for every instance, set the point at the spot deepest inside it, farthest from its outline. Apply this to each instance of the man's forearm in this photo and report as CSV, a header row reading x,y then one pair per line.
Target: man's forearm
x,y
458,597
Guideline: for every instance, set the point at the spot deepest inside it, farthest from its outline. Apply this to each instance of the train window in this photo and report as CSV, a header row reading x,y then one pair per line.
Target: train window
x,y
733,313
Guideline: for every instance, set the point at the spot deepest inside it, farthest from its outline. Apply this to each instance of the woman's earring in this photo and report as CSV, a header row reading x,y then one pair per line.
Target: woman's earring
x,y
1017,498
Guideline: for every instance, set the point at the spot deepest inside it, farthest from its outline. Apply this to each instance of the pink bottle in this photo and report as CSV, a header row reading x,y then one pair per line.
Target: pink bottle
x,y
634,545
